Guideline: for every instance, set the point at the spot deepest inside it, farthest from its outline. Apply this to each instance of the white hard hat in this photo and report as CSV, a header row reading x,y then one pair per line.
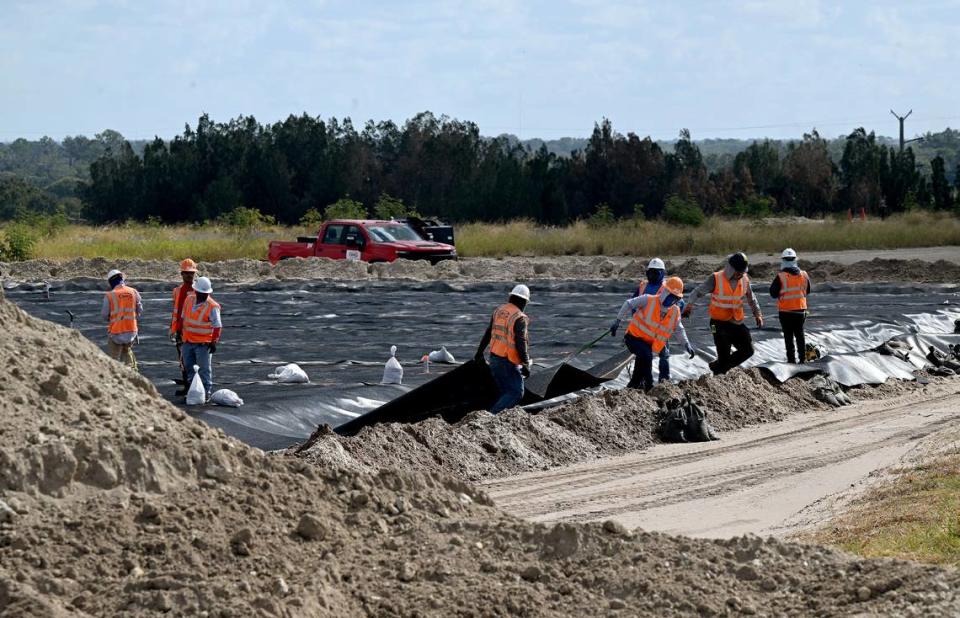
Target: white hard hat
x,y
203,285
656,263
788,254
521,291
113,273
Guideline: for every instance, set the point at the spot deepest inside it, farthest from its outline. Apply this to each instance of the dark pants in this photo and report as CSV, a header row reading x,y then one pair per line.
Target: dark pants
x,y
183,369
791,322
509,382
725,336
664,365
643,363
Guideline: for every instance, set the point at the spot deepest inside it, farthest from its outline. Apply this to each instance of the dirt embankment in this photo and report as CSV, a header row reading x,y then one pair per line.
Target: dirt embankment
x,y
692,270
113,502
483,446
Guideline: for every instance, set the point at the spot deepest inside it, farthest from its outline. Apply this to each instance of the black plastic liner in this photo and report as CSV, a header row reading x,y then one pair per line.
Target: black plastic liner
x,y
340,334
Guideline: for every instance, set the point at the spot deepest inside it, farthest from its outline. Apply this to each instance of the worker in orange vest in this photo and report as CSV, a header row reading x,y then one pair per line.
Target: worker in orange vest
x,y
200,327
791,287
727,289
656,317
121,308
188,271
509,348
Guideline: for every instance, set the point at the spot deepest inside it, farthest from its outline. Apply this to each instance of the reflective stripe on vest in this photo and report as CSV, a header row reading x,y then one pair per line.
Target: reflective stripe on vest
x,y
123,310
197,327
175,317
652,326
793,291
726,303
502,340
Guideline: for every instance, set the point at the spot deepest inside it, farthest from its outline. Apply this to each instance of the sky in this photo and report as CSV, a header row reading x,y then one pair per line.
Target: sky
x,y
548,69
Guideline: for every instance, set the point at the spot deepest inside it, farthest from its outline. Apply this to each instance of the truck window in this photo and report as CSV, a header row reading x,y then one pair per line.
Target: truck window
x,y
390,233
332,235
352,230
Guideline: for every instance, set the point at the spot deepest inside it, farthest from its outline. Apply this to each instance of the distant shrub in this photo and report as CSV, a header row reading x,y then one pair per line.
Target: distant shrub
x,y
602,217
389,207
756,207
244,218
312,219
18,243
683,212
345,209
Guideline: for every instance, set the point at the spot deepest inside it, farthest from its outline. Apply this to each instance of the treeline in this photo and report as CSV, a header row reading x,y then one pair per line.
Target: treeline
x,y
443,167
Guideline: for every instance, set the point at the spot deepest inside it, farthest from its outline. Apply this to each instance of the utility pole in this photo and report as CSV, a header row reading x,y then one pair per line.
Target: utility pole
x,y
901,119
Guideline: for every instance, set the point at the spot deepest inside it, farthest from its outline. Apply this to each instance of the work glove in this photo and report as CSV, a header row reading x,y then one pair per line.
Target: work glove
x,y
213,347
691,351
687,311
613,327
173,338
759,321
525,371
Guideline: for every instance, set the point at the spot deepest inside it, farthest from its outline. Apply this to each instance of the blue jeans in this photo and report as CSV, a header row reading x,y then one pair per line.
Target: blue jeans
x,y
509,382
643,363
198,354
664,364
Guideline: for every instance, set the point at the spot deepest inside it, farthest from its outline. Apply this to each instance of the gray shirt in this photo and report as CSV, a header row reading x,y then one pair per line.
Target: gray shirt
x,y
120,338
639,304
706,288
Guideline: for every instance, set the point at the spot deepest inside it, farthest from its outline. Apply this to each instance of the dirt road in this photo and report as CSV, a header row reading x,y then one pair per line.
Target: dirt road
x,y
773,479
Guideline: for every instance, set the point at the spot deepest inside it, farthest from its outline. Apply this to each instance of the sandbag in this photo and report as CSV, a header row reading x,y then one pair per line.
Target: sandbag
x,y
683,420
441,356
226,397
290,374
196,394
392,371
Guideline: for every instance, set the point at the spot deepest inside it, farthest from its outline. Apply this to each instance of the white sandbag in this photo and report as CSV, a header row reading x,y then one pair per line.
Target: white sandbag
x,y
442,356
226,397
392,371
290,374
196,395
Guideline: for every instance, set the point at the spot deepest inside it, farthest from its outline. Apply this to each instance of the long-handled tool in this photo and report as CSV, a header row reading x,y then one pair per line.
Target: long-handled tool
x,y
586,346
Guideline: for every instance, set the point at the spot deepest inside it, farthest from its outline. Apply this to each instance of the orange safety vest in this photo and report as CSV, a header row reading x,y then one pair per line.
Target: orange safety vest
x,y
123,310
726,303
793,291
653,325
175,318
196,320
503,342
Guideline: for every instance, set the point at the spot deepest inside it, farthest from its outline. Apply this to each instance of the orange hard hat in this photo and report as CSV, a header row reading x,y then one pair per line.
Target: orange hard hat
x,y
674,285
188,266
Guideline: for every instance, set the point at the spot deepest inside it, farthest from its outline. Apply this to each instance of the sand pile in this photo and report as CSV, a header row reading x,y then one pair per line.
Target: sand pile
x,y
114,502
483,446
471,269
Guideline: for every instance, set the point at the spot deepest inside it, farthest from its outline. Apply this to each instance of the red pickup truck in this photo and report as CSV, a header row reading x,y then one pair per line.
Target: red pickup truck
x,y
367,240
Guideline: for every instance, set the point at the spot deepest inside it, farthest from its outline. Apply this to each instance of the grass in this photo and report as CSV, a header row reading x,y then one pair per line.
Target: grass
x,y
914,516
523,238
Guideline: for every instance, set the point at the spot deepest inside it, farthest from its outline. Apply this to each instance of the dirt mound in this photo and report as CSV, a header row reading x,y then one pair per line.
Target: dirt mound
x,y
114,502
483,446
692,270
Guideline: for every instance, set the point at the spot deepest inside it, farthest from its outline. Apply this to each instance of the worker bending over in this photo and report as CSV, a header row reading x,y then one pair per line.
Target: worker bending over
x,y
188,271
655,319
201,326
791,287
656,275
120,309
727,289
509,348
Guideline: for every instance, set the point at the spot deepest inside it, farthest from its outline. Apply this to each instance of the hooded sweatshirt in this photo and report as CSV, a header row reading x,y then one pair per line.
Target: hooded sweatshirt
x,y
639,303
706,288
787,266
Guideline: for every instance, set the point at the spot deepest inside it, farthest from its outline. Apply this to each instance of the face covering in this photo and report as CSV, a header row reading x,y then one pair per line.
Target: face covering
x,y
670,300
655,275
785,264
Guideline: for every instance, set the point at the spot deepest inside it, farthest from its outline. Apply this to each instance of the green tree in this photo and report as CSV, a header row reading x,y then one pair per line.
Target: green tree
x,y
389,207
683,212
345,208
939,186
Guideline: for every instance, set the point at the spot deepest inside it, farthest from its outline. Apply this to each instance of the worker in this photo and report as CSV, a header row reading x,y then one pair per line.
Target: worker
x,y
121,308
791,287
656,274
655,318
201,332
188,271
509,348
727,289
